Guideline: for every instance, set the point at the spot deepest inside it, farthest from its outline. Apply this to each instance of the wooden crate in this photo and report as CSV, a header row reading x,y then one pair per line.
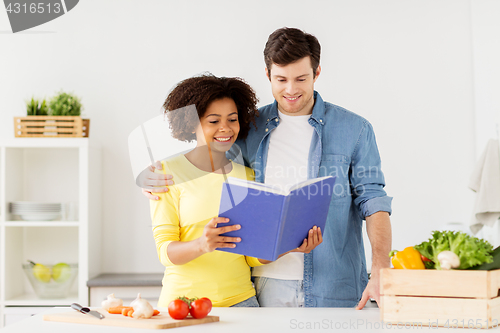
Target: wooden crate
x,y
453,299
51,126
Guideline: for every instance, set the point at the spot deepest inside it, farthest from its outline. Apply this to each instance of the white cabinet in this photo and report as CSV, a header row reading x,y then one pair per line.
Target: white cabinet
x,y
65,170
125,286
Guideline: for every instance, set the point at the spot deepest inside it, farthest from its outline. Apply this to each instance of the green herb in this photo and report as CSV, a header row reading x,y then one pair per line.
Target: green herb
x,y
471,250
64,104
36,108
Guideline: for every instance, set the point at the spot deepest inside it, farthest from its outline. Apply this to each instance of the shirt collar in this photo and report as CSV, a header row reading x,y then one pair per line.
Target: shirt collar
x,y
274,114
318,111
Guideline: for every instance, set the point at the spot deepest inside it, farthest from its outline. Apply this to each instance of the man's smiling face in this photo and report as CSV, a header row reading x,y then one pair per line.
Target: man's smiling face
x,y
293,86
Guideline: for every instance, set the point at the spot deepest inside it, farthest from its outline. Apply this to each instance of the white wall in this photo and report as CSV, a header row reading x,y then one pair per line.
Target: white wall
x,y
486,55
406,66
486,46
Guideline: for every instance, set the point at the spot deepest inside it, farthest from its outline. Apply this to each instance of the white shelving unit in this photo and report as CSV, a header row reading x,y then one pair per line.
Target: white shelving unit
x,y
47,170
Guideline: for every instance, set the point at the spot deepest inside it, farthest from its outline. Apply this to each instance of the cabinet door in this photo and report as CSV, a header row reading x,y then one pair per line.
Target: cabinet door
x,y
126,294
12,315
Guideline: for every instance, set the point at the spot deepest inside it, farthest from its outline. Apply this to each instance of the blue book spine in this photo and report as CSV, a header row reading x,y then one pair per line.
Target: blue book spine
x,y
284,212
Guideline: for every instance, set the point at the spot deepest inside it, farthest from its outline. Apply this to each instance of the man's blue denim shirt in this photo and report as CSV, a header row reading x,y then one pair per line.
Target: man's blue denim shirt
x,y
343,145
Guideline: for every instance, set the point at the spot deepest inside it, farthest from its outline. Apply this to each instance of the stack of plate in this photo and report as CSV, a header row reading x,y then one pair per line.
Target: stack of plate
x,y
36,211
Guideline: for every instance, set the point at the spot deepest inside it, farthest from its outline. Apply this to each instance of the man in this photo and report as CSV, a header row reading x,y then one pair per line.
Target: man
x,y
299,137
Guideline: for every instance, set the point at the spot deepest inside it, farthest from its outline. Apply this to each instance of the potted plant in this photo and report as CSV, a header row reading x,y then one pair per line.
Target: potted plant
x,y
60,117
36,108
64,104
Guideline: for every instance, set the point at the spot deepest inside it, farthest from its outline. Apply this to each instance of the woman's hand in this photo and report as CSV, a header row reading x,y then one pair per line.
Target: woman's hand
x,y
313,239
180,252
211,238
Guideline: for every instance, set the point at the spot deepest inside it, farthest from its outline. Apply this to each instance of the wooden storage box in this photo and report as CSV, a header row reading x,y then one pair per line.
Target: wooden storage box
x,y
51,126
454,299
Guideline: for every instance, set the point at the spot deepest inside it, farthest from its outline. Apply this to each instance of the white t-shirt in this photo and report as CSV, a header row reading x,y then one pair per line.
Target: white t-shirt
x,y
286,166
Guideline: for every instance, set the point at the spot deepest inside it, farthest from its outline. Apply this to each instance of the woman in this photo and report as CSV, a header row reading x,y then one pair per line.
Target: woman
x,y
185,218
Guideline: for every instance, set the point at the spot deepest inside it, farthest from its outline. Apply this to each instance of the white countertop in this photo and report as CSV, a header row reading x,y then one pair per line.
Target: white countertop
x,y
242,320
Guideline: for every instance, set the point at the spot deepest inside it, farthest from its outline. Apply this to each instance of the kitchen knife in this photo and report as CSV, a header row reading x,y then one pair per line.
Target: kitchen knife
x,y
83,310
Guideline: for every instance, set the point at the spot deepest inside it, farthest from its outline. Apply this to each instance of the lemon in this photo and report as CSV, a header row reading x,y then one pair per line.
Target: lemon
x,y
41,273
61,272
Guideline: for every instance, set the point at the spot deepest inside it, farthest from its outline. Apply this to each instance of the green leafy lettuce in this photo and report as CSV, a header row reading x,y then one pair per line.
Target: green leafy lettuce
x,y
472,251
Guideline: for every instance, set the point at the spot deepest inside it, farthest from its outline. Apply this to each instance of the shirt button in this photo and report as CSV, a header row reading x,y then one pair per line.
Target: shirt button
x,y
268,120
321,120
267,129
276,119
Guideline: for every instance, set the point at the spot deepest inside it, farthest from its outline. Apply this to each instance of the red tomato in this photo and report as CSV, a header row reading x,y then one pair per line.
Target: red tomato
x,y
424,259
200,308
178,309
209,302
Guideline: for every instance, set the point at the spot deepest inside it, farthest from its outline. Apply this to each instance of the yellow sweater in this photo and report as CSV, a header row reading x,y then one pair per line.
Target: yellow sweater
x,y
180,215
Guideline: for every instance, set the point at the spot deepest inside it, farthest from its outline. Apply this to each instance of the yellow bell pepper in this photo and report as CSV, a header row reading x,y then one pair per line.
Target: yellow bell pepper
x,y
409,258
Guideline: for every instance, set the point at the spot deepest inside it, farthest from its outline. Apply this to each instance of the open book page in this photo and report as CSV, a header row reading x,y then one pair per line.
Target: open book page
x,y
307,183
257,186
274,188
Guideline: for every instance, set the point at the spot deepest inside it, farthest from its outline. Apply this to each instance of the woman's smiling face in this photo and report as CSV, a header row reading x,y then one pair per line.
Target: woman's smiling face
x,y
219,125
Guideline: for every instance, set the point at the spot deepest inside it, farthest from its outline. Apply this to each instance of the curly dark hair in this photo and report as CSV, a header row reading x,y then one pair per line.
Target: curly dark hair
x,y
201,91
287,45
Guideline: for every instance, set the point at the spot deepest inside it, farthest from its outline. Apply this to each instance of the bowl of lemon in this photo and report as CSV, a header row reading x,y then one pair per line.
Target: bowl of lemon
x,y
51,281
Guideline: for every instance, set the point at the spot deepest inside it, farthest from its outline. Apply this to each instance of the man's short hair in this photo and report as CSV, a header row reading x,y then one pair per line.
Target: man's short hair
x,y
202,90
287,45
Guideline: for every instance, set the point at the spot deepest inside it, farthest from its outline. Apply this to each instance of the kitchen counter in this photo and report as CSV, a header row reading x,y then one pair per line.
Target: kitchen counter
x,y
242,320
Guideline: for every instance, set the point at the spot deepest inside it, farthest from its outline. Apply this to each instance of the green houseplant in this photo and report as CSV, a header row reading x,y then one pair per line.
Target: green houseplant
x,y
64,104
36,108
60,117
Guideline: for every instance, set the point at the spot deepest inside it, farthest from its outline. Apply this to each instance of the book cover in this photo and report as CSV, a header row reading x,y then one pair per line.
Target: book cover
x,y
273,221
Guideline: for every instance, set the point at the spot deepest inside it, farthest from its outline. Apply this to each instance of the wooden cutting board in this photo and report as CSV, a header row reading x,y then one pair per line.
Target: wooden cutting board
x,y
161,321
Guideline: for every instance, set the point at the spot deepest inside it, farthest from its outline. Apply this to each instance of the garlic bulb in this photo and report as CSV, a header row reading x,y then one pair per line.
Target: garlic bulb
x,y
138,298
111,302
142,308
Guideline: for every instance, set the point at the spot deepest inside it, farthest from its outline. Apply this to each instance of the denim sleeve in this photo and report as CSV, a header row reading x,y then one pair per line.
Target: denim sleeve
x,y
367,178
